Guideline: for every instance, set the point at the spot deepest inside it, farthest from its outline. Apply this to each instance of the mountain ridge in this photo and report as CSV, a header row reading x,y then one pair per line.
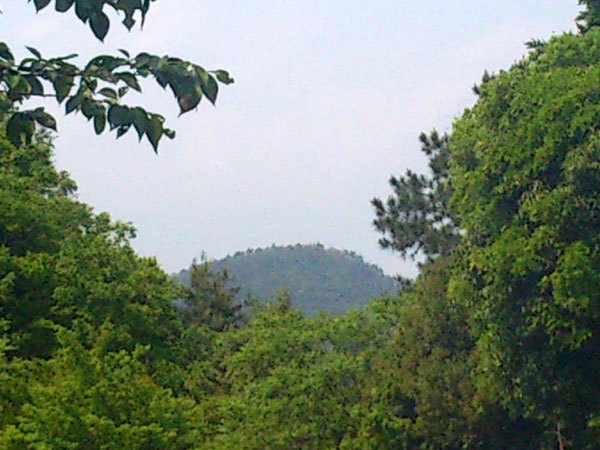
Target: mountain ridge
x,y
316,278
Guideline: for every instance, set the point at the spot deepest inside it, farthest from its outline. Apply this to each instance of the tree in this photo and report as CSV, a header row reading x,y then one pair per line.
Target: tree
x,y
526,178
209,300
590,16
416,217
60,264
98,88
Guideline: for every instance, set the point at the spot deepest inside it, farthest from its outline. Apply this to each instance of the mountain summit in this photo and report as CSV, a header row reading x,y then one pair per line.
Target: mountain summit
x,y
316,278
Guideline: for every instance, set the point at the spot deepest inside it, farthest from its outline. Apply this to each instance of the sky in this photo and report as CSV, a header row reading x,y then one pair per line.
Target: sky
x,y
329,99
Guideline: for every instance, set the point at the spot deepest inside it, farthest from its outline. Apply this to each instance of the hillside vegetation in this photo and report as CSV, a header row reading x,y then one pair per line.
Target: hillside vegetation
x,y
315,278
495,345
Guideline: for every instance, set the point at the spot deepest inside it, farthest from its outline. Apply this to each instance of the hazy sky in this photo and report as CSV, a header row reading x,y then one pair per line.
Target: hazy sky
x,y
329,99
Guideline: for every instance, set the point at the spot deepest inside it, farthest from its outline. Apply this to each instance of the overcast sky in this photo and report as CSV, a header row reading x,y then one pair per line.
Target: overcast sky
x,y
329,99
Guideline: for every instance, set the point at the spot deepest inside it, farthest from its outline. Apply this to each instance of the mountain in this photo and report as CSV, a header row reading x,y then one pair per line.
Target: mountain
x,y
317,279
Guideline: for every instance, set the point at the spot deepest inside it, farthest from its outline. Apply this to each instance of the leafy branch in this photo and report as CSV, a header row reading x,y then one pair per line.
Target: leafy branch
x,y
98,89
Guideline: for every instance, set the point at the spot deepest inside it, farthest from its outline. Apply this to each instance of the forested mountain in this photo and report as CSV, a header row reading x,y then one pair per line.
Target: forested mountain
x,y
315,278
495,345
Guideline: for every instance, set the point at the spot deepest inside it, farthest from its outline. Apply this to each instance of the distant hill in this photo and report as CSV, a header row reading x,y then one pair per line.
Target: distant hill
x,y
317,279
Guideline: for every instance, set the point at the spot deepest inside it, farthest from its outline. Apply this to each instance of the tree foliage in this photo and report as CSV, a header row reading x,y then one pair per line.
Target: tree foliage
x,y
209,299
416,218
98,89
526,180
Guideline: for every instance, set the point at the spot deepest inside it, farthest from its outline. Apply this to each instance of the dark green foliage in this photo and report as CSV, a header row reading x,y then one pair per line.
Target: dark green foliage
x,y
416,218
316,279
209,300
590,16
97,90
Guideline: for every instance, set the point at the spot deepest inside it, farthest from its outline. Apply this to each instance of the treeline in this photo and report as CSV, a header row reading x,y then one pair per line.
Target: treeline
x,y
315,278
495,346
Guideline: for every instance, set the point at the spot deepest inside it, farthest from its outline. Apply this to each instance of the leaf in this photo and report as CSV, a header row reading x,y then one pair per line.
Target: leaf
x,y
154,131
122,130
139,117
124,52
62,86
223,76
44,119
40,4
69,56
99,123
73,103
82,10
99,24
35,52
20,126
123,90
36,86
210,89
63,5
169,133
118,115
129,22
89,108
129,79
108,92
5,52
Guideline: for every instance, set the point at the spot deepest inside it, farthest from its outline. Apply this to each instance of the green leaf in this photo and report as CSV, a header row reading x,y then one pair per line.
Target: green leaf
x,y
20,127
123,90
62,86
210,89
223,76
88,108
35,52
83,10
5,52
169,133
118,115
36,86
124,52
63,5
122,130
154,131
139,117
99,123
73,103
129,79
41,4
67,57
99,24
108,92
44,119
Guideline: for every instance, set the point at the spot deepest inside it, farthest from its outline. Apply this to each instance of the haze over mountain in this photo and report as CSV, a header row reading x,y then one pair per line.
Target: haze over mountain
x,y
316,278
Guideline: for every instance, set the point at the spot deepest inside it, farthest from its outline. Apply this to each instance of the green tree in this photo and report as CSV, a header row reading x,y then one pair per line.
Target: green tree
x,y
60,264
526,178
209,300
416,218
98,88
590,16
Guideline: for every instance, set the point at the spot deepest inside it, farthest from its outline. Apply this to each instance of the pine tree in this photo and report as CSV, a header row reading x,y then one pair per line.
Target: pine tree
x,y
416,218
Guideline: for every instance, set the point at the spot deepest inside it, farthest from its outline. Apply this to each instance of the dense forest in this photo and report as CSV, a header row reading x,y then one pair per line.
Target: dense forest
x,y
494,346
315,278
